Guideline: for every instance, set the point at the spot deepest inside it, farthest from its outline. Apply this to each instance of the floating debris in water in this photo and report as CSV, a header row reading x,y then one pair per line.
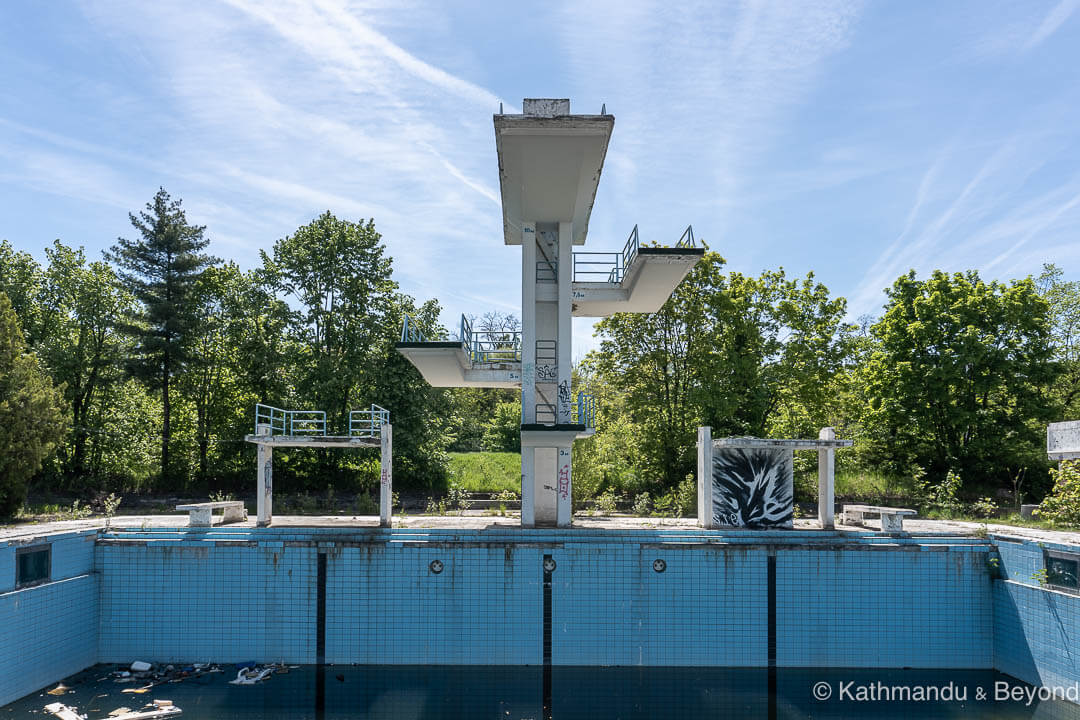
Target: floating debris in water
x,y
60,689
64,712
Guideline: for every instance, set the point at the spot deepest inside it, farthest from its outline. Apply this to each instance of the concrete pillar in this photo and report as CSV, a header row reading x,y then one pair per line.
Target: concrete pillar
x,y
386,479
264,474
704,477
826,480
565,329
528,487
563,494
528,323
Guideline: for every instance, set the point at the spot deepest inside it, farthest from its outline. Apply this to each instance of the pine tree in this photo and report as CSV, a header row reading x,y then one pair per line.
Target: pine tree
x,y
31,412
160,269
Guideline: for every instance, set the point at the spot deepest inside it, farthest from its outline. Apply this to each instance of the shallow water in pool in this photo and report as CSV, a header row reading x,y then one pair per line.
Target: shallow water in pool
x,y
590,693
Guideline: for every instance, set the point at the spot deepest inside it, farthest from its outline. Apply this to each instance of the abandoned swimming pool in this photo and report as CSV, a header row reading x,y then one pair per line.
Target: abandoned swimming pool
x,y
729,609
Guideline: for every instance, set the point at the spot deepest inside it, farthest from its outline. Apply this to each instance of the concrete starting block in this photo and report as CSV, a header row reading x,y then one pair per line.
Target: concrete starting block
x,y
892,519
201,514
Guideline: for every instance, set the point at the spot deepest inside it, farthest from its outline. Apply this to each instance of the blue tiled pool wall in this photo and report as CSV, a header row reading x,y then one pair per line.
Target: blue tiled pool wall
x,y
1036,629
233,594
48,631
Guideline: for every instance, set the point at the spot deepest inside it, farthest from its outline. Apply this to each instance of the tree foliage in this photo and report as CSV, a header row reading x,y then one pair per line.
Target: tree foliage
x,y
31,412
160,268
747,356
957,377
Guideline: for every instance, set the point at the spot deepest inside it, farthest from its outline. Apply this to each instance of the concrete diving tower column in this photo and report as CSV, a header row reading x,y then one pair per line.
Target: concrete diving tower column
x,y
550,163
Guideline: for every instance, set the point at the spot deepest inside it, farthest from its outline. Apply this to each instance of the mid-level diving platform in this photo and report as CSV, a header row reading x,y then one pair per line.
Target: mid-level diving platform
x,y
637,280
480,358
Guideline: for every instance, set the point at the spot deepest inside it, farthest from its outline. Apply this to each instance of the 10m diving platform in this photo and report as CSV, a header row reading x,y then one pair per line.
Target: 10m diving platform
x,y
550,163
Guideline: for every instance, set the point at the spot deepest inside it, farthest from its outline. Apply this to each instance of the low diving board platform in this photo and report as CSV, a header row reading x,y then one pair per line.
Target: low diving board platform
x,y
278,428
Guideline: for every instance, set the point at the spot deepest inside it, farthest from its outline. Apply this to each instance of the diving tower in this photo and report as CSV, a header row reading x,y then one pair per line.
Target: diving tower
x,y
550,162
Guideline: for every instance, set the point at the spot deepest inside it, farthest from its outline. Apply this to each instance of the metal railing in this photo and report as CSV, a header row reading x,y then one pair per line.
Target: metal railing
x,y
490,346
368,423
687,239
610,267
482,346
584,412
598,267
410,331
290,422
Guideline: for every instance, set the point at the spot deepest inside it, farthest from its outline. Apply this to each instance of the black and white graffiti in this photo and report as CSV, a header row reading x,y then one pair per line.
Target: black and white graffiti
x,y
752,488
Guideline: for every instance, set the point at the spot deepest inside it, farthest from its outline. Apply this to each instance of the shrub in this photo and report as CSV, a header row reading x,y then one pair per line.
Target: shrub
x,y
1062,505
641,504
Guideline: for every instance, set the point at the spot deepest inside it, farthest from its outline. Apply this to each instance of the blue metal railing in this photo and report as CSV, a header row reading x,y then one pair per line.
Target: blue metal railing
x,y
290,422
482,346
410,331
490,346
610,267
584,412
368,423
687,239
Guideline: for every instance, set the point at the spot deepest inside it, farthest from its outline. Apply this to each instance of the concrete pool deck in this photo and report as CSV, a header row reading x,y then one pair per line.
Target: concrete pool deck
x,y
476,520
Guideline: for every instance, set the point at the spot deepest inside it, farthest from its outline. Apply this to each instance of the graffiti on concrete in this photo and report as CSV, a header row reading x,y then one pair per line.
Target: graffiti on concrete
x,y
753,488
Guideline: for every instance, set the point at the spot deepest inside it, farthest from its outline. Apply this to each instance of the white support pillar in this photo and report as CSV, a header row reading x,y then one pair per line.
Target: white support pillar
x,y
826,480
528,487
264,473
386,476
528,323
565,337
704,477
564,490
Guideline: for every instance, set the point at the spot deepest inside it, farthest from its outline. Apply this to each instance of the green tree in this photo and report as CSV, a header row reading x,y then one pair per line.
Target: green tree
x,y
957,377
31,412
1063,297
81,304
337,272
747,356
20,280
502,430
160,269
347,319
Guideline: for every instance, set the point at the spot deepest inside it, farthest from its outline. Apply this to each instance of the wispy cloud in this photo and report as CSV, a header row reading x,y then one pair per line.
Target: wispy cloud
x,y
1052,22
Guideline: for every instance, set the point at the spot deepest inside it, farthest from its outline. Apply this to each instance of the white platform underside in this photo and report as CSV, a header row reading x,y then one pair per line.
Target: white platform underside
x,y
450,367
648,284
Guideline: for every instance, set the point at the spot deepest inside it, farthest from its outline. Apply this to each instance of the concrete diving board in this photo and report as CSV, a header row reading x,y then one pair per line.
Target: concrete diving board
x,y
446,364
646,285
1063,440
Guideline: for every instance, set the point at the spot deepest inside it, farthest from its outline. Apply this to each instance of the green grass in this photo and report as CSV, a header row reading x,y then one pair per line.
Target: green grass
x,y
863,484
486,471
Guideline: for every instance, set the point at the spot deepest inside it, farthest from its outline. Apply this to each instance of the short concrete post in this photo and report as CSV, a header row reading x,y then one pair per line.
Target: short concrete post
x,y
704,477
564,493
386,475
264,473
826,480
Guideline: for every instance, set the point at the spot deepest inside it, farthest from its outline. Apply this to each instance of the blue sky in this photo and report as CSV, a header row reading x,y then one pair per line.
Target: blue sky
x,y
857,140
